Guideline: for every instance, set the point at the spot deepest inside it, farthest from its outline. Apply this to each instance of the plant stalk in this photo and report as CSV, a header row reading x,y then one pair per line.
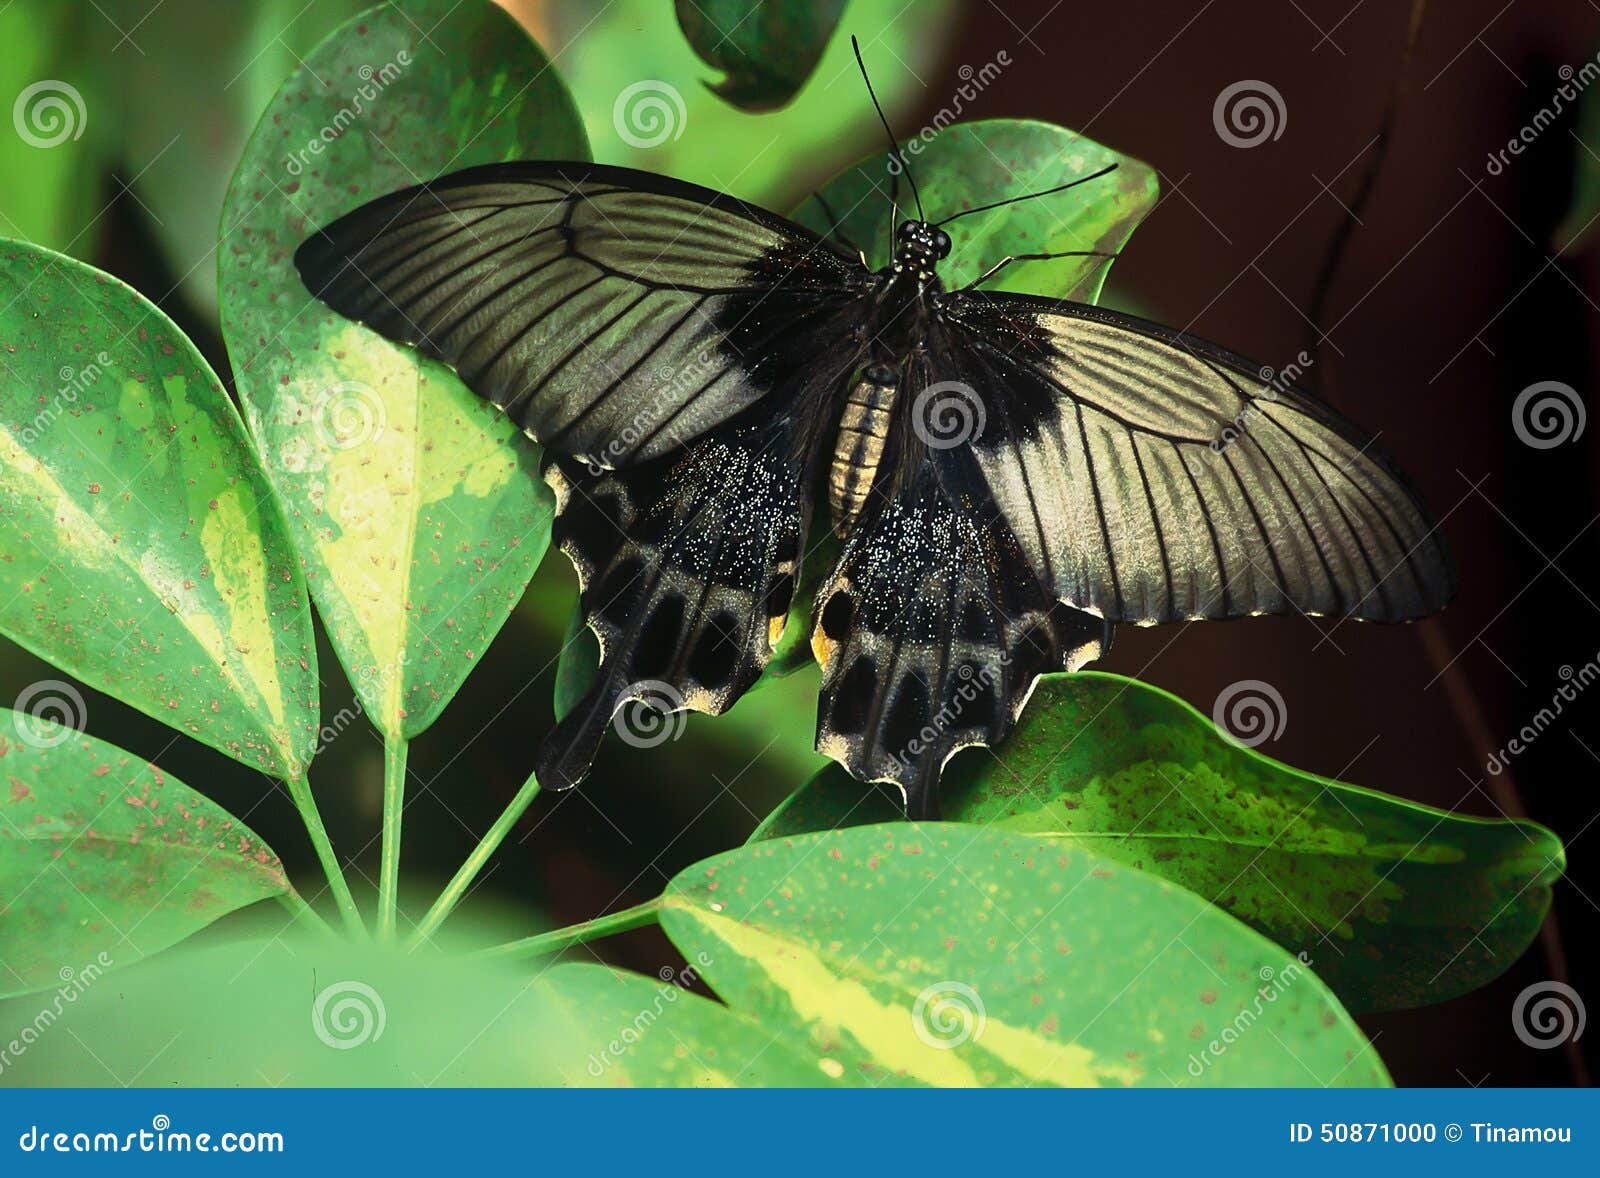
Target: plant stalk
x,y
462,880
303,913
394,800
300,791
576,934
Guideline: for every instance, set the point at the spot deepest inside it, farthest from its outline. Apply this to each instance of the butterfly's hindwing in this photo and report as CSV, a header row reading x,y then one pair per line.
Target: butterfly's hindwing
x,y
931,633
687,568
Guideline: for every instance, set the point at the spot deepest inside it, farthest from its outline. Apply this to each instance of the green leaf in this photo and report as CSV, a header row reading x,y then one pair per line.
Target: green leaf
x,y
767,48
972,164
190,82
287,1010
954,955
57,133
415,506
281,1009
1398,904
140,547
656,1034
577,664
673,125
105,859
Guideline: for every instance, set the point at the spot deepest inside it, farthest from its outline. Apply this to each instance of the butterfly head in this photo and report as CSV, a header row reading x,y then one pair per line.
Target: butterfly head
x,y
918,245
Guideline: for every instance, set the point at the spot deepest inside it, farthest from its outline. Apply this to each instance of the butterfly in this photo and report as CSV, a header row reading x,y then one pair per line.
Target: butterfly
x,y
1006,476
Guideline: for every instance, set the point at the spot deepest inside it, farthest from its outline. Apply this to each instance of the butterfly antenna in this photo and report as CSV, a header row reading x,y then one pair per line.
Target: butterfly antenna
x,y
1000,204
894,144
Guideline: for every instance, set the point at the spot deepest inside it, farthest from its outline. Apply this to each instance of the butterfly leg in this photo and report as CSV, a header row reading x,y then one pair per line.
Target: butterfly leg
x,y
836,232
1009,258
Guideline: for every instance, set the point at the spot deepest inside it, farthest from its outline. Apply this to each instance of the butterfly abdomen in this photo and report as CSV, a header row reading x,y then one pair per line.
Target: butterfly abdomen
x,y
863,432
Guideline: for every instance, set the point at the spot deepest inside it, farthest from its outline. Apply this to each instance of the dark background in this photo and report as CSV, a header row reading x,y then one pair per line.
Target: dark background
x,y
1450,300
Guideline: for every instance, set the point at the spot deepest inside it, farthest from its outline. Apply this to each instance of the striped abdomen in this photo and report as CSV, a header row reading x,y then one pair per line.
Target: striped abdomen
x,y
863,429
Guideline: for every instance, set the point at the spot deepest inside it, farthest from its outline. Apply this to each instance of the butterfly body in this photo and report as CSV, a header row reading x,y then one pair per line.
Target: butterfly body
x,y
1008,476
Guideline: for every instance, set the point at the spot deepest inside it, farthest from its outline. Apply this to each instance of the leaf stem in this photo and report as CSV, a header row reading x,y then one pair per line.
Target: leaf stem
x,y
576,934
458,885
300,791
304,913
394,800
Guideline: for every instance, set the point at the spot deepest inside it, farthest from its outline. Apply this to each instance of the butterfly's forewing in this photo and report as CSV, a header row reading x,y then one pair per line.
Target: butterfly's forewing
x,y
614,314
1150,476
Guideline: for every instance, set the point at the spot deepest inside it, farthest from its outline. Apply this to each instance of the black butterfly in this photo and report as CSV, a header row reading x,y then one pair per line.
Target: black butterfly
x,y
1007,475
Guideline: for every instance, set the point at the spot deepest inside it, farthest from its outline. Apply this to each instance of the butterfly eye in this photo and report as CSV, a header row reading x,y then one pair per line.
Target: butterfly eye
x,y
941,244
